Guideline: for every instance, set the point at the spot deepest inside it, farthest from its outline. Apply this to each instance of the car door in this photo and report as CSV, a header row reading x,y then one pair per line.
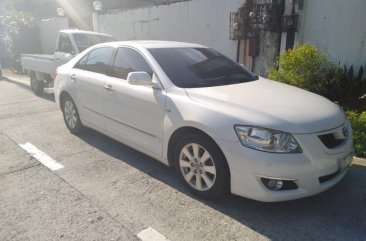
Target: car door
x,y
65,50
134,113
89,76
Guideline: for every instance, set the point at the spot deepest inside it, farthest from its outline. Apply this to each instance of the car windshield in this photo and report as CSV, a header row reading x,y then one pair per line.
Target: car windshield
x,y
85,41
200,67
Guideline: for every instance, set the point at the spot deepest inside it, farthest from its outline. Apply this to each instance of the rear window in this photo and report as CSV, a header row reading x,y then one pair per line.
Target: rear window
x,y
200,67
84,41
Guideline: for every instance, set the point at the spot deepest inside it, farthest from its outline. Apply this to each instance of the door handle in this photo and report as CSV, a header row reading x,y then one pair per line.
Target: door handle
x,y
73,78
57,58
108,87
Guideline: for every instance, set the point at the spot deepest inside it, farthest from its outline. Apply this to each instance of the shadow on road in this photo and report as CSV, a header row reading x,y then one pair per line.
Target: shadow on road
x,y
45,95
338,214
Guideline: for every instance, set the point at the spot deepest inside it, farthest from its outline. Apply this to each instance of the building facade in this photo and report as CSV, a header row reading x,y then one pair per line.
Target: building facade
x,y
253,31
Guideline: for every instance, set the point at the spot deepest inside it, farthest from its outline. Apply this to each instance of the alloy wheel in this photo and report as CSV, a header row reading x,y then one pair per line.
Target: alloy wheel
x,y
197,167
70,114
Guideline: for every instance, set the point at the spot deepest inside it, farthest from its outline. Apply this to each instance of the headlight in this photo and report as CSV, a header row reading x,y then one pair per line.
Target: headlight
x,y
267,140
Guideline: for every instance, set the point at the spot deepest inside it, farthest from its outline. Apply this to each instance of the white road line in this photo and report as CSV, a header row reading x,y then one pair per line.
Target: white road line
x,y
150,234
41,156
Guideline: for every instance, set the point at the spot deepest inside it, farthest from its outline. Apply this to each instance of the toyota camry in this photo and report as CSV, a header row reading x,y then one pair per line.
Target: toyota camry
x,y
224,129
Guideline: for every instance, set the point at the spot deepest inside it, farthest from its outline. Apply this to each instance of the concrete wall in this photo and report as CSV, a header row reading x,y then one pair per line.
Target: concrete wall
x,y
337,27
200,21
48,32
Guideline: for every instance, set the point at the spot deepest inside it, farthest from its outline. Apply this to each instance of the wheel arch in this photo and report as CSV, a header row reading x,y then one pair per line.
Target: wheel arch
x,y
186,130
63,94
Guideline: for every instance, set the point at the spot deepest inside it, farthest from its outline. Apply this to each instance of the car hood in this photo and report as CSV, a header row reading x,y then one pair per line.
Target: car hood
x,y
271,104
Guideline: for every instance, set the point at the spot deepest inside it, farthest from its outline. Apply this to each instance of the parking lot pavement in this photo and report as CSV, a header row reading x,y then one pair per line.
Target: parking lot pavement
x,y
36,204
134,192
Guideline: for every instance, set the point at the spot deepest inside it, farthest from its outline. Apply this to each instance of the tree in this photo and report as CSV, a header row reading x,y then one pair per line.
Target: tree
x,y
12,24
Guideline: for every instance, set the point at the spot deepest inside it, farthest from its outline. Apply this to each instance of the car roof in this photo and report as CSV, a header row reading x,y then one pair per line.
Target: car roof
x,y
150,44
71,31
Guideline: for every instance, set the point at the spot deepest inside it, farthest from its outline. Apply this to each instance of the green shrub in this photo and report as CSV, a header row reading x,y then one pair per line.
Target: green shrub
x,y
308,68
349,90
358,121
304,67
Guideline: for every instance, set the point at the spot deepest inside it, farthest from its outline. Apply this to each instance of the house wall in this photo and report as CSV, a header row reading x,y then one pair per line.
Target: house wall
x,y
334,26
205,22
48,33
337,27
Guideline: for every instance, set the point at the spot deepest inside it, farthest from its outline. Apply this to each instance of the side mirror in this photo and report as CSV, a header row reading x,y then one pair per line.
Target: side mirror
x,y
139,78
143,78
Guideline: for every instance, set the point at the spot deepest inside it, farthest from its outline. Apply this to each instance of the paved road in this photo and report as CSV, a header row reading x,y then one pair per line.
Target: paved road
x,y
108,191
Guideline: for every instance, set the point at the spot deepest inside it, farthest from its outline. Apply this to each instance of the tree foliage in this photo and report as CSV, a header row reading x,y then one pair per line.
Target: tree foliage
x,y
12,23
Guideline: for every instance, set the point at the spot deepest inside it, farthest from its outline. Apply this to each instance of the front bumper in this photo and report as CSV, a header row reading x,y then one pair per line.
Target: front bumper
x,y
247,166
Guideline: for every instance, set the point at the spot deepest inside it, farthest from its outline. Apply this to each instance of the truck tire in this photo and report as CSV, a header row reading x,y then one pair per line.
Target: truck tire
x,y
37,85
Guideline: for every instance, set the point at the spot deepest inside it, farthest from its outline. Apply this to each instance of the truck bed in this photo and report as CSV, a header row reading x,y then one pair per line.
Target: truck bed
x,y
38,62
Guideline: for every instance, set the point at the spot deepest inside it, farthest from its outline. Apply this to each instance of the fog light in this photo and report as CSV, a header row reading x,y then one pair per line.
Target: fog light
x,y
272,184
278,184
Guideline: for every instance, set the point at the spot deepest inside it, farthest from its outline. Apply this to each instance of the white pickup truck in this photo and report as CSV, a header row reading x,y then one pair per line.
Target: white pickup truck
x,y
42,68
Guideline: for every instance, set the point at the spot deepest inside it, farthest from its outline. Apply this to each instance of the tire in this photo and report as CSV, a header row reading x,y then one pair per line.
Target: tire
x,y
202,167
71,115
37,85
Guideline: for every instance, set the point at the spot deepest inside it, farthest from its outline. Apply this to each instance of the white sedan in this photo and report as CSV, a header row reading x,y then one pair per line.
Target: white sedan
x,y
223,128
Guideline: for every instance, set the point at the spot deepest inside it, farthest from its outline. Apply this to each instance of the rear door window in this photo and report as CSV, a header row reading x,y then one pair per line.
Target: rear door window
x,y
98,60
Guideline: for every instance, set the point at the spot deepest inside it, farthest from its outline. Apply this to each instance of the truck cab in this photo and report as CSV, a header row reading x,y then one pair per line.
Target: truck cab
x,y
42,68
72,42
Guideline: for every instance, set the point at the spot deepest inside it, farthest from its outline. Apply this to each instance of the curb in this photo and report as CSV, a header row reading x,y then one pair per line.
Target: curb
x,y
359,162
25,83
4,77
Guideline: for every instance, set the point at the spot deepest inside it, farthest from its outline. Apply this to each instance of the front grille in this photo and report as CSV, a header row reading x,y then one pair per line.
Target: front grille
x,y
330,141
328,177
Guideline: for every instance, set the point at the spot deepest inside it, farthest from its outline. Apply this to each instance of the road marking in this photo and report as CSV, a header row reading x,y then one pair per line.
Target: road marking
x,y
150,234
41,157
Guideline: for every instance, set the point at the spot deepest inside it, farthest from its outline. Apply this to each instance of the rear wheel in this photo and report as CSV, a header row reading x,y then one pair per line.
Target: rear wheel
x,y
71,115
202,166
37,85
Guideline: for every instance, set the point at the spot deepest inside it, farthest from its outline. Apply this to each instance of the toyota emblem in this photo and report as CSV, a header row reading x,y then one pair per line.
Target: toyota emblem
x,y
345,131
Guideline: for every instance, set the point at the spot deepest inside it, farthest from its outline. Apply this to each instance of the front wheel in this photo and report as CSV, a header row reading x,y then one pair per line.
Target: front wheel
x,y
37,85
71,115
202,166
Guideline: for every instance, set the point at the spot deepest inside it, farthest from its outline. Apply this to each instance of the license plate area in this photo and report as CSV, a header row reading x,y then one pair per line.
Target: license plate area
x,y
345,162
